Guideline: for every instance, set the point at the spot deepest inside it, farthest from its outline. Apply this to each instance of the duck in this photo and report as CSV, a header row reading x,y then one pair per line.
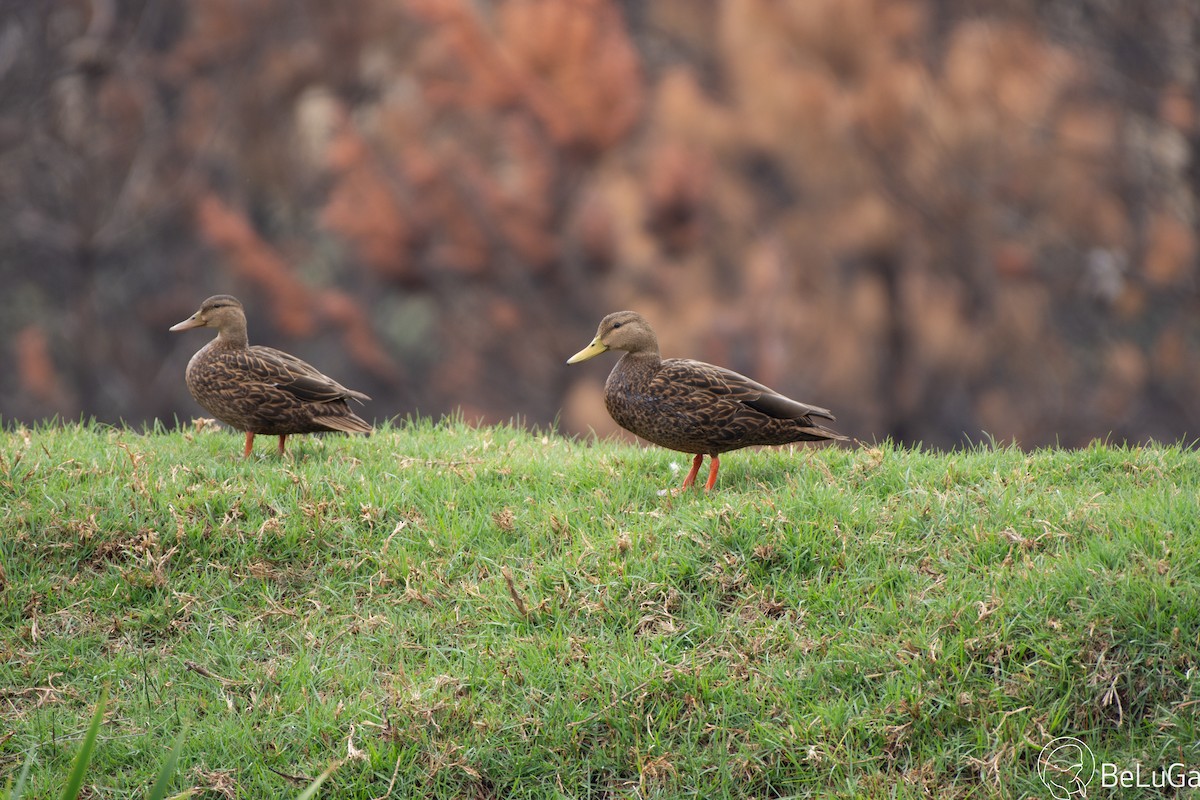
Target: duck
x,y
693,407
261,390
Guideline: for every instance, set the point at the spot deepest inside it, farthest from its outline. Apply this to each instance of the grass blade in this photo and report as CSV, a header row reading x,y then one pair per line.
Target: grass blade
x,y
19,790
84,756
159,790
311,791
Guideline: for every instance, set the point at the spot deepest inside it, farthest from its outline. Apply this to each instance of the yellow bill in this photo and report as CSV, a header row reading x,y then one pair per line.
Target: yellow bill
x,y
591,351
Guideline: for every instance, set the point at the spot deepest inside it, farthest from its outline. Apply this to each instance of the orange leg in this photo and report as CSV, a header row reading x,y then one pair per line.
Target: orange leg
x,y
713,466
249,444
282,441
691,476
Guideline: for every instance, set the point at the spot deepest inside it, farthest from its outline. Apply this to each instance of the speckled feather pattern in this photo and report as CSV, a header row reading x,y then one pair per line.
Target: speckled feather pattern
x,y
266,391
694,407
261,390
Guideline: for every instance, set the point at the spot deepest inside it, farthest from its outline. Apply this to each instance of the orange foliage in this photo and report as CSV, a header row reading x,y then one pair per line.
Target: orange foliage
x,y
578,70
1178,109
1171,251
36,372
295,308
363,208
254,260
570,64
218,29
677,180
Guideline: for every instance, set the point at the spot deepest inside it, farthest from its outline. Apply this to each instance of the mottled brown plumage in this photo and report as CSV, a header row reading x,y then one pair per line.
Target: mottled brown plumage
x,y
691,406
261,390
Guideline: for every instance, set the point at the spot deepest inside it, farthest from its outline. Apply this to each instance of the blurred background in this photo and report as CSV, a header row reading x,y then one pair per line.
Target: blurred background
x,y
943,220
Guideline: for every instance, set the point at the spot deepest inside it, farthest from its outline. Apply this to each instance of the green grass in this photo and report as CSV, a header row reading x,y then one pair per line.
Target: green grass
x,y
873,622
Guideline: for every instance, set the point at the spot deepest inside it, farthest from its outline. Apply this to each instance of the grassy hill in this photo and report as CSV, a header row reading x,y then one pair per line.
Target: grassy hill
x,y
492,612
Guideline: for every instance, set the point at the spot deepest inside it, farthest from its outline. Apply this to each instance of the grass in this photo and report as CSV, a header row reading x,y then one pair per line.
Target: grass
x,y
450,611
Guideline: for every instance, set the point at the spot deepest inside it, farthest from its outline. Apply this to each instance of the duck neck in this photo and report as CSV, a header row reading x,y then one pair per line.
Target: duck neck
x,y
640,362
232,336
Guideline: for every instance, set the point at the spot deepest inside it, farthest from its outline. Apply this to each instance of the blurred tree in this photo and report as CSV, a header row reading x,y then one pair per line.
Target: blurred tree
x,y
939,219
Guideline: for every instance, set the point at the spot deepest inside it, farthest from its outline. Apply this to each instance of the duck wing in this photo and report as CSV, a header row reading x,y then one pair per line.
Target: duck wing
x,y
725,385
296,376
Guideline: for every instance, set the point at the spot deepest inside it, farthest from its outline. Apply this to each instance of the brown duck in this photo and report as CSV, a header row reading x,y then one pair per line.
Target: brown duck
x,y
261,390
691,406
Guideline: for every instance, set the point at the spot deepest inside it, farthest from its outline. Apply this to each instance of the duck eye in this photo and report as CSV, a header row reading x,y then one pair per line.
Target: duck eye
x,y
617,325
